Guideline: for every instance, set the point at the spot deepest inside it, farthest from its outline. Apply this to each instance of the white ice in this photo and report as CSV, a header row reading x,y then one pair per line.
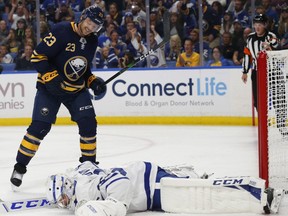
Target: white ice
x,y
225,151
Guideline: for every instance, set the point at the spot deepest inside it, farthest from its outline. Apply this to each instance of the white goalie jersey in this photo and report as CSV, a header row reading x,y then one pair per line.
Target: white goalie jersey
x,y
137,180
141,186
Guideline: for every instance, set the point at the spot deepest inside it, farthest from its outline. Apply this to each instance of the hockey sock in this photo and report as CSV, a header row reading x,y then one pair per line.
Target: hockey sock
x,y
88,148
27,149
87,130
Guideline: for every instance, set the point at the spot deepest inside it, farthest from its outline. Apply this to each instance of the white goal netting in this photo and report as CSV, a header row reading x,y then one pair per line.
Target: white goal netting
x,y
277,133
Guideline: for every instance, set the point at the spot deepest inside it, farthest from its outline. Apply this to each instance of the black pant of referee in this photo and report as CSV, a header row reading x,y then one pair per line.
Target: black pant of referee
x,y
254,88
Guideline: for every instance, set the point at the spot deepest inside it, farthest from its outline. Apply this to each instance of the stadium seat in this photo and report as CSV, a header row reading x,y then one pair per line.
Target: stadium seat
x,y
8,67
171,63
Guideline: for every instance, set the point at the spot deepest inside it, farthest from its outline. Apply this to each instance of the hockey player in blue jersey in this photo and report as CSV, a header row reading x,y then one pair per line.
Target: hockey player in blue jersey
x,y
62,61
140,186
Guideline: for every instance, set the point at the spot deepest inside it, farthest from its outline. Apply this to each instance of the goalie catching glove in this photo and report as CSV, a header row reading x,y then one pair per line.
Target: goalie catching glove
x,y
97,85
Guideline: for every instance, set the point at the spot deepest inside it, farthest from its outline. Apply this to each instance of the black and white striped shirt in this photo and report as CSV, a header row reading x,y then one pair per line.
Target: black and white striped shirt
x,y
254,46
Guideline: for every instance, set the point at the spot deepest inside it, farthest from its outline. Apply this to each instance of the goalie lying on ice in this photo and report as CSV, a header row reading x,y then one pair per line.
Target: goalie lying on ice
x,y
140,186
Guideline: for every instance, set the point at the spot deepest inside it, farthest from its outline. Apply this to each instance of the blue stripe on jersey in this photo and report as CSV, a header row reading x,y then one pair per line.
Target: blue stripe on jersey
x,y
147,174
161,173
107,178
115,181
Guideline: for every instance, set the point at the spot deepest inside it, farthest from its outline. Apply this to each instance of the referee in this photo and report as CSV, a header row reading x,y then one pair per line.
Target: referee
x,y
261,39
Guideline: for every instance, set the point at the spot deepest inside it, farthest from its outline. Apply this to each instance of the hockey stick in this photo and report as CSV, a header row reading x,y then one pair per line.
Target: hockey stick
x,y
25,204
132,64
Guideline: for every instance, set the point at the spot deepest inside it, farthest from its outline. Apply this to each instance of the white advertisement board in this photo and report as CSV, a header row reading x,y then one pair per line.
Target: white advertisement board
x,y
166,92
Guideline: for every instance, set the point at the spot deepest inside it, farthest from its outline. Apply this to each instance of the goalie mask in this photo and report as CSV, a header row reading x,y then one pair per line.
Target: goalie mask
x,y
60,190
95,14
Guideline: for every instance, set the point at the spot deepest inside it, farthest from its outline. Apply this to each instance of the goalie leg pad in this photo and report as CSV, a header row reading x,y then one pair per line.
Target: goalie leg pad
x,y
225,195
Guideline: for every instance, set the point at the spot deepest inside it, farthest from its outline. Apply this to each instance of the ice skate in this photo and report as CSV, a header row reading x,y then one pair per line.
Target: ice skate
x,y
17,175
274,197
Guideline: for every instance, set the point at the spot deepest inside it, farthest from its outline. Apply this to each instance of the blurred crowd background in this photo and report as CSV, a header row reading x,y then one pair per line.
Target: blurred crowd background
x,y
225,27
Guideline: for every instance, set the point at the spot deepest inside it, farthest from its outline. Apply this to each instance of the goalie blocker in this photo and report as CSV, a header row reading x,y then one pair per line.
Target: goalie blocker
x,y
219,195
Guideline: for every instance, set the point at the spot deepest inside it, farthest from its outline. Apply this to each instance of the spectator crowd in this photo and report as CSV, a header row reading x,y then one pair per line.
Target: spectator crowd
x,y
226,25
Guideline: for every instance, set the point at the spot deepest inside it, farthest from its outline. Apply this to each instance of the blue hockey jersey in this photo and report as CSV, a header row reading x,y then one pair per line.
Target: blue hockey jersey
x,y
64,51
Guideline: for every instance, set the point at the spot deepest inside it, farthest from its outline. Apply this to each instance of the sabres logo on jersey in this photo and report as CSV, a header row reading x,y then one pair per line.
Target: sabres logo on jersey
x,y
75,67
154,60
205,25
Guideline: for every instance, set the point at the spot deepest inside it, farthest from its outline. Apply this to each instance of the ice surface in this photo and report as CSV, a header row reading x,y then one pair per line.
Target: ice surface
x,y
225,151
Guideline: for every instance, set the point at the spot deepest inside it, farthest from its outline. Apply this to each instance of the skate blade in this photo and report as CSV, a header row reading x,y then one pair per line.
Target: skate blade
x,y
14,188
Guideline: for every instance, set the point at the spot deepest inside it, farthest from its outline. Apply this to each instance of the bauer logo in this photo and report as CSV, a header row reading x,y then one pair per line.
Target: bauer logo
x,y
228,181
207,86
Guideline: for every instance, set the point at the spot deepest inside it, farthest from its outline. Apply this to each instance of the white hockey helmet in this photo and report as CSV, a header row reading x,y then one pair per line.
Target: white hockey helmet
x,y
60,190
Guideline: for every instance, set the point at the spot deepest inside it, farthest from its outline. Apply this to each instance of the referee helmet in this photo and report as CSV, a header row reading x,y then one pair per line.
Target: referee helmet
x,y
260,18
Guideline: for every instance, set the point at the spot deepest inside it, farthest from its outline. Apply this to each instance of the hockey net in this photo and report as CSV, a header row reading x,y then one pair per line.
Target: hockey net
x,y
272,117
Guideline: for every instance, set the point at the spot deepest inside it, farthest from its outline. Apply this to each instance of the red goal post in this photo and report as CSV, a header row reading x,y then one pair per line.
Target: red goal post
x,y
262,116
272,93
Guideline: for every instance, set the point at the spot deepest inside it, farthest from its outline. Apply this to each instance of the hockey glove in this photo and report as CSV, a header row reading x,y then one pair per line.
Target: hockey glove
x,y
110,206
97,85
54,83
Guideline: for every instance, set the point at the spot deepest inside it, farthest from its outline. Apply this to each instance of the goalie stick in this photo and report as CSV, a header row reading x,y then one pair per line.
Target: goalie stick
x,y
24,204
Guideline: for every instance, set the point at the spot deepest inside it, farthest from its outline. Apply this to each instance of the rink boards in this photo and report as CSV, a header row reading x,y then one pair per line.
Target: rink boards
x,y
162,96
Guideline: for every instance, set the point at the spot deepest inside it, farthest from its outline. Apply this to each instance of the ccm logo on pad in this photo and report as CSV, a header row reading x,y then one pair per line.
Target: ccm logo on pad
x,y
227,181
